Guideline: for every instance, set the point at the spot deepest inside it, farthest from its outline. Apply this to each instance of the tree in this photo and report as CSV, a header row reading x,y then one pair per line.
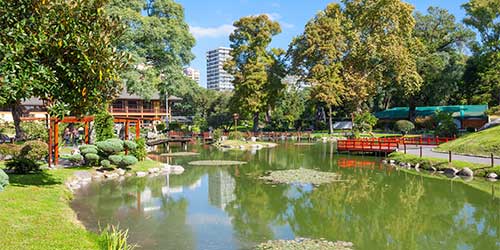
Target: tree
x,y
482,72
350,50
251,64
59,51
159,41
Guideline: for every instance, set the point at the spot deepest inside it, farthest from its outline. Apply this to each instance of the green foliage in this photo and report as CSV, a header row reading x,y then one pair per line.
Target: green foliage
x,y
104,126
105,164
75,159
426,123
22,165
130,145
9,149
128,160
446,127
110,147
35,130
404,126
112,238
140,151
364,122
34,150
217,134
4,180
91,159
115,159
87,146
236,135
161,127
88,151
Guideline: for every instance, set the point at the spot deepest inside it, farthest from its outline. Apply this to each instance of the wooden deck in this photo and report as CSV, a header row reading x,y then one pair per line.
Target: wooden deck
x,y
167,141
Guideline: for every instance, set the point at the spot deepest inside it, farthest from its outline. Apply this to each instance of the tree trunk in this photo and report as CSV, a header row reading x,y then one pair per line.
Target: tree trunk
x,y
17,112
256,122
330,121
412,111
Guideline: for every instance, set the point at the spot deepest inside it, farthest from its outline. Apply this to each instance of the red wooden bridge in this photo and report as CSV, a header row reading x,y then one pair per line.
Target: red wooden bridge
x,y
386,145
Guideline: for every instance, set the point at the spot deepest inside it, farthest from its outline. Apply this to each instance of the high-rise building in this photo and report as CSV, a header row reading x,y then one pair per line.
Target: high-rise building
x,y
217,78
193,74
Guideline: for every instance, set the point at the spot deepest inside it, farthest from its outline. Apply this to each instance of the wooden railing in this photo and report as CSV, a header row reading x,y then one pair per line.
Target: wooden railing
x,y
356,145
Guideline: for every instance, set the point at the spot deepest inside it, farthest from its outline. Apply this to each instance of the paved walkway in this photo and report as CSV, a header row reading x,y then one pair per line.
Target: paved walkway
x,y
427,152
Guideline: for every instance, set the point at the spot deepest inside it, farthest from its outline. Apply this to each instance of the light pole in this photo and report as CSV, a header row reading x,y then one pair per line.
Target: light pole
x,y
236,117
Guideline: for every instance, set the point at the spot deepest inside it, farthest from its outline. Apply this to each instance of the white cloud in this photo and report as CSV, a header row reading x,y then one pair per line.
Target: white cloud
x,y
277,17
211,32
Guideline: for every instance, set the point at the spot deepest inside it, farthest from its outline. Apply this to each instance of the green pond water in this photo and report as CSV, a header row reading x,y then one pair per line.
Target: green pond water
x,y
228,208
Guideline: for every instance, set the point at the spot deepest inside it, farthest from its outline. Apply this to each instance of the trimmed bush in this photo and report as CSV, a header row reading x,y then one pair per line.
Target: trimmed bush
x,y
130,145
105,163
88,151
75,158
446,126
115,159
128,160
22,166
9,149
404,126
4,180
235,135
34,150
140,151
110,147
104,126
91,159
88,146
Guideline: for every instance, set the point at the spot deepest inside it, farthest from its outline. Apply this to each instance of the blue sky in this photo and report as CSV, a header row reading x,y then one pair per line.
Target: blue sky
x,y
211,20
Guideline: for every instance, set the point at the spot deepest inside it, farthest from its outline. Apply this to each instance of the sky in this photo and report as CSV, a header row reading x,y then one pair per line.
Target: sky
x,y
211,21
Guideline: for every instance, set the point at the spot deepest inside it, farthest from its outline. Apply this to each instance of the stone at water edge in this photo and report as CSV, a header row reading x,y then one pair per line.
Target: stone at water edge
x,y
153,170
451,171
392,162
141,174
492,176
120,172
253,139
384,161
466,172
417,166
176,169
111,175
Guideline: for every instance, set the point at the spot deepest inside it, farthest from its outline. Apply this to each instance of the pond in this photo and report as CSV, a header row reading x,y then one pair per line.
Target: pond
x,y
376,207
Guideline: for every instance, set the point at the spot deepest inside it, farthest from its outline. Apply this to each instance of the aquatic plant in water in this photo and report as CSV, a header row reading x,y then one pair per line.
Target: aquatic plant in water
x,y
304,244
300,176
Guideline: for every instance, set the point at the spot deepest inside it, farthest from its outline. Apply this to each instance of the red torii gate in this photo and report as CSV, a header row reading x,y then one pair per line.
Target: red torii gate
x,y
54,130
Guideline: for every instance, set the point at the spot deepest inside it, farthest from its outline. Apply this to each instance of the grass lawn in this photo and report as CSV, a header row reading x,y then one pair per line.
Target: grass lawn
x,y
143,166
481,143
35,214
440,164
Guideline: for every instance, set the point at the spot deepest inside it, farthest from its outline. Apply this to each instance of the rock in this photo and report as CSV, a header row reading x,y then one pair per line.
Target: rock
x,y
98,175
466,172
223,138
120,172
492,176
408,165
153,170
253,139
384,162
83,176
392,161
111,175
402,164
8,158
141,174
450,171
176,169
128,175
417,166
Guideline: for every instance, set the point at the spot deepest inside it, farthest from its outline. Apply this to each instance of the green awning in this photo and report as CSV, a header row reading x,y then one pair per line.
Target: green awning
x,y
458,111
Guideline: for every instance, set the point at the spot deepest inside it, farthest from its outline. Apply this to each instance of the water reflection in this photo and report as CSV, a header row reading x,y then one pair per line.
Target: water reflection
x,y
227,208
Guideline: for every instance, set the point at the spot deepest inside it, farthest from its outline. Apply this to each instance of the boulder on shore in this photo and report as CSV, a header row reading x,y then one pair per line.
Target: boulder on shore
x,y
492,176
466,172
451,171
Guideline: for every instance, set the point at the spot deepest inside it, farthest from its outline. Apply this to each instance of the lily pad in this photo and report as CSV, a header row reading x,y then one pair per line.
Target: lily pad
x,y
305,244
181,154
216,163
301,176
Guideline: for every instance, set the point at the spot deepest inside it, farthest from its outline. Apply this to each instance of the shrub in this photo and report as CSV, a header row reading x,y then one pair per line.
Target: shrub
x,y
130,145
105,163
34,150
88,151
161,127
404,126
104,126
112,238
128,160
83,147
109,147
115,159
4,180
217,134
140,151
446,126
75,158
22,165
427,123
364,122
91,159
9,149
35,130
235,135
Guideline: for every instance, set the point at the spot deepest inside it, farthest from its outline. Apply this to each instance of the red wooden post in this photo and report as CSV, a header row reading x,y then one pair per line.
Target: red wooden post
x,y
50,144
126,130
137,130
87,137
56,142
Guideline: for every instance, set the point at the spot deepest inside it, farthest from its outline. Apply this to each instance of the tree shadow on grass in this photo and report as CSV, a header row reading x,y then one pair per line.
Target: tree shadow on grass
x,y
34,179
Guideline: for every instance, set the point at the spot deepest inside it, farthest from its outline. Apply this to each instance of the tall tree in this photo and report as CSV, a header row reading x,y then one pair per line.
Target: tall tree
x,y
60,51
482,76
159,41
251,64
349,50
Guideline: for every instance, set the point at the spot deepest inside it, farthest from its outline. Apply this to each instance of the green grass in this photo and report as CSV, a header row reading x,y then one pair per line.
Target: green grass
x,y
482,143
144,166
440,164
35,214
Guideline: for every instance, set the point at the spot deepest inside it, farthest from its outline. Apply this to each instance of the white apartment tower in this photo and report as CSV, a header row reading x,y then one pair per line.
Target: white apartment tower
x,y
192,74
217,78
